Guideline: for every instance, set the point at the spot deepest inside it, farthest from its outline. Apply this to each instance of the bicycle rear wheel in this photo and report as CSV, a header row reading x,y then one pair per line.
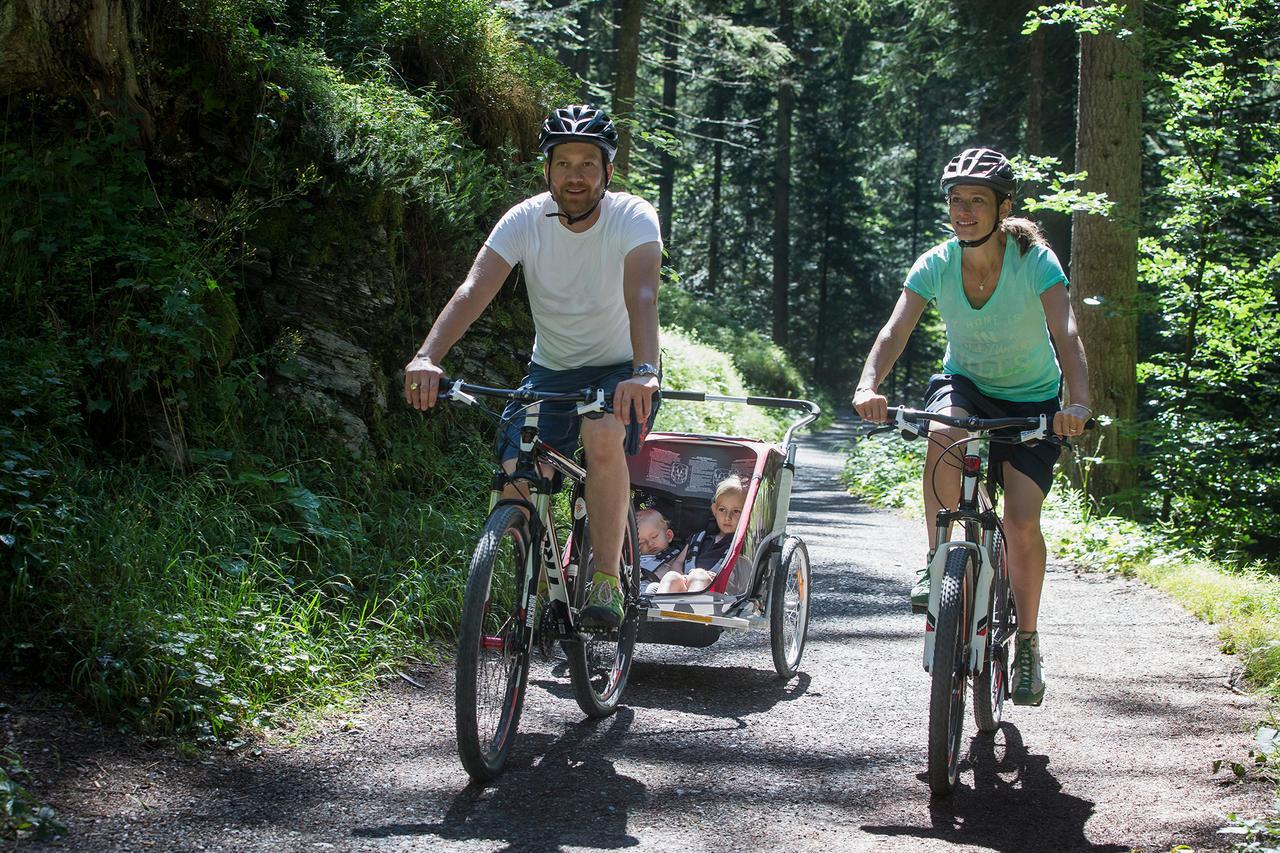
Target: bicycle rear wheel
x,y
493,646
991,685
949,681
599,662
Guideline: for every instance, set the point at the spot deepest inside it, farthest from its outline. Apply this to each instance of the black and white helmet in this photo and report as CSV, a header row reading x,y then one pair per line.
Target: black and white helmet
x,y
982,166
579,123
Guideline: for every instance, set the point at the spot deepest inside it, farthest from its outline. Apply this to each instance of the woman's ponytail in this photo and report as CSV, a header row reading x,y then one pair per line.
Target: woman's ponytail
x,y
1026,232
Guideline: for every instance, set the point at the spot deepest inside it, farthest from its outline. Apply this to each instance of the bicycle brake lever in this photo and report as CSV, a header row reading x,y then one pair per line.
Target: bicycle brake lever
x,y
596,406
908,429
455,394
1040,433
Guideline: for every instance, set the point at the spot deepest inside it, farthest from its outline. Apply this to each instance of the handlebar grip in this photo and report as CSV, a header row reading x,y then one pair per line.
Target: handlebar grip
x,y
635,434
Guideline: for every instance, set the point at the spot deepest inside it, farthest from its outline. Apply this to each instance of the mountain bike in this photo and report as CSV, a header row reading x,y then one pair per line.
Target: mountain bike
x,y
972,618
503,615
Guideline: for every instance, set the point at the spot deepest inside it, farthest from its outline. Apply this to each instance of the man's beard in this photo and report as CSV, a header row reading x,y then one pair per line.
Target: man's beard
x,y
575,205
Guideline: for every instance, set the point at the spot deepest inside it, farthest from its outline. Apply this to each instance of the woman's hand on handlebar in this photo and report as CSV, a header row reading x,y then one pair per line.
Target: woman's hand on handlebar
x,y
1071,420
871,405
422,378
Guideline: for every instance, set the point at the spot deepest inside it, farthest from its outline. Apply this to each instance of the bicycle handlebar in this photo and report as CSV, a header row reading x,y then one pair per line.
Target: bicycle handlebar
x,y
1037,428
591,402
767,402
972,423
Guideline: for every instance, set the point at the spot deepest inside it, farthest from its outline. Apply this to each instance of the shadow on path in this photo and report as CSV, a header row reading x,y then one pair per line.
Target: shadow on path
x,y
526,808
1014,805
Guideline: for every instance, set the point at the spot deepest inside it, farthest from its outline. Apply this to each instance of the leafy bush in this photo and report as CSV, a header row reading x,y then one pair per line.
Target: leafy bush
x,y
886,472
95,260
21,815
765,368
689,365
197,606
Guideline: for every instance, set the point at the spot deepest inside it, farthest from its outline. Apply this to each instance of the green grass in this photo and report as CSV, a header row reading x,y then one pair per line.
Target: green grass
x,y
197,605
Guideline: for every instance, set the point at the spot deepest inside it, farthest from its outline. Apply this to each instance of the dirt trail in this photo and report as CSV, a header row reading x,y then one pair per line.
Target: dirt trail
x,y
712,752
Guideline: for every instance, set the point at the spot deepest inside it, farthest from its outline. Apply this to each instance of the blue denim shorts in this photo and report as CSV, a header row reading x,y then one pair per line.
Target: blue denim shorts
x,y
559,425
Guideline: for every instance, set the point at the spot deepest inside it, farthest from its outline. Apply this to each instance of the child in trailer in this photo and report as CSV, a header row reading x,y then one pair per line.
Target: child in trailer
x,y
659,553
707,548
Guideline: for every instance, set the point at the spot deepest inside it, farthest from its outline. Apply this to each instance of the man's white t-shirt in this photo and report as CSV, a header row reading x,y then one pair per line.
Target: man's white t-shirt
x,y
575,280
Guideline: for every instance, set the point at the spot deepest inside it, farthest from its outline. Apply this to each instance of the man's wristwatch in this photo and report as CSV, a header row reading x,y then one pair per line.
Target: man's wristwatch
x,y
646,369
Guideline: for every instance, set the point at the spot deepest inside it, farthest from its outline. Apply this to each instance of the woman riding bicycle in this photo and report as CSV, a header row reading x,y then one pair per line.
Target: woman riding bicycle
x,y
1003,297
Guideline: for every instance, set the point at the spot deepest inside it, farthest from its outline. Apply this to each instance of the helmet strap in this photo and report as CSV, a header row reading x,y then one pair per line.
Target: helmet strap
x,y
973,244
573,220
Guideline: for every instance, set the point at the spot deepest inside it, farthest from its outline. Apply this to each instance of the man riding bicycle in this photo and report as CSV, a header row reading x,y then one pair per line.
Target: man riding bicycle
x,y
591,260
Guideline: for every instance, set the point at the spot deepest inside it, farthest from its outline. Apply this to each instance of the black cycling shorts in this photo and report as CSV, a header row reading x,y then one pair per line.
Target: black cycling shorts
x,y
1034,460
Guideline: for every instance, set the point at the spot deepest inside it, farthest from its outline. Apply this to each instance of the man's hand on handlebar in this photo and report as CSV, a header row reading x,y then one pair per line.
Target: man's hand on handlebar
x,y
422,378
871,405
637,391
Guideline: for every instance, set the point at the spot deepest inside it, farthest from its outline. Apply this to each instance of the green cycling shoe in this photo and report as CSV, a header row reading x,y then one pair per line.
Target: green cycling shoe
x,y
1028,676
606,603
920,589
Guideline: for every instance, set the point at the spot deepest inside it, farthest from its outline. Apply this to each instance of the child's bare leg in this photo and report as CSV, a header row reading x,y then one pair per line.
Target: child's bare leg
x,y
698,580
672,582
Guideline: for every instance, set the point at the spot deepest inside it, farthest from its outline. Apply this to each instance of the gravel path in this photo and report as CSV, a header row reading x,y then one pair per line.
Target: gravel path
x,y
713,752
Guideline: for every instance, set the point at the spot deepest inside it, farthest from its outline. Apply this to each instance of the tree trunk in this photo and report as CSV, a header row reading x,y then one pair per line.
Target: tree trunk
x,y
718,98
586,30
1033,137
624,86
782,186
667,173
86,49
1104,252
824,323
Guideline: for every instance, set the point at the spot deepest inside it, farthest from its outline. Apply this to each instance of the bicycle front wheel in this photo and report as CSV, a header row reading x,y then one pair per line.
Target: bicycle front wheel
x,y
991,686
493,646
947,690
599,662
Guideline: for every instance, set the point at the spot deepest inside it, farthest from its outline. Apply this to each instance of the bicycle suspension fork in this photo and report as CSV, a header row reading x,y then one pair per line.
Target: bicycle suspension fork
x,y
974,517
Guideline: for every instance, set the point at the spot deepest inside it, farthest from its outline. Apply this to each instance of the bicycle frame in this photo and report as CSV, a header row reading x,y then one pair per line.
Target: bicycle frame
x,y
977,513
533,453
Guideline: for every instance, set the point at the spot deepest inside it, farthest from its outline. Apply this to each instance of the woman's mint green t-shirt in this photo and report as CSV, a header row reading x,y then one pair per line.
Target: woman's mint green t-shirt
x,y
1004,346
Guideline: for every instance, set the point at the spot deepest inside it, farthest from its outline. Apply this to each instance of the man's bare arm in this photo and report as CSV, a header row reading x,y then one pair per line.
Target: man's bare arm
x,y
423,373
641,271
